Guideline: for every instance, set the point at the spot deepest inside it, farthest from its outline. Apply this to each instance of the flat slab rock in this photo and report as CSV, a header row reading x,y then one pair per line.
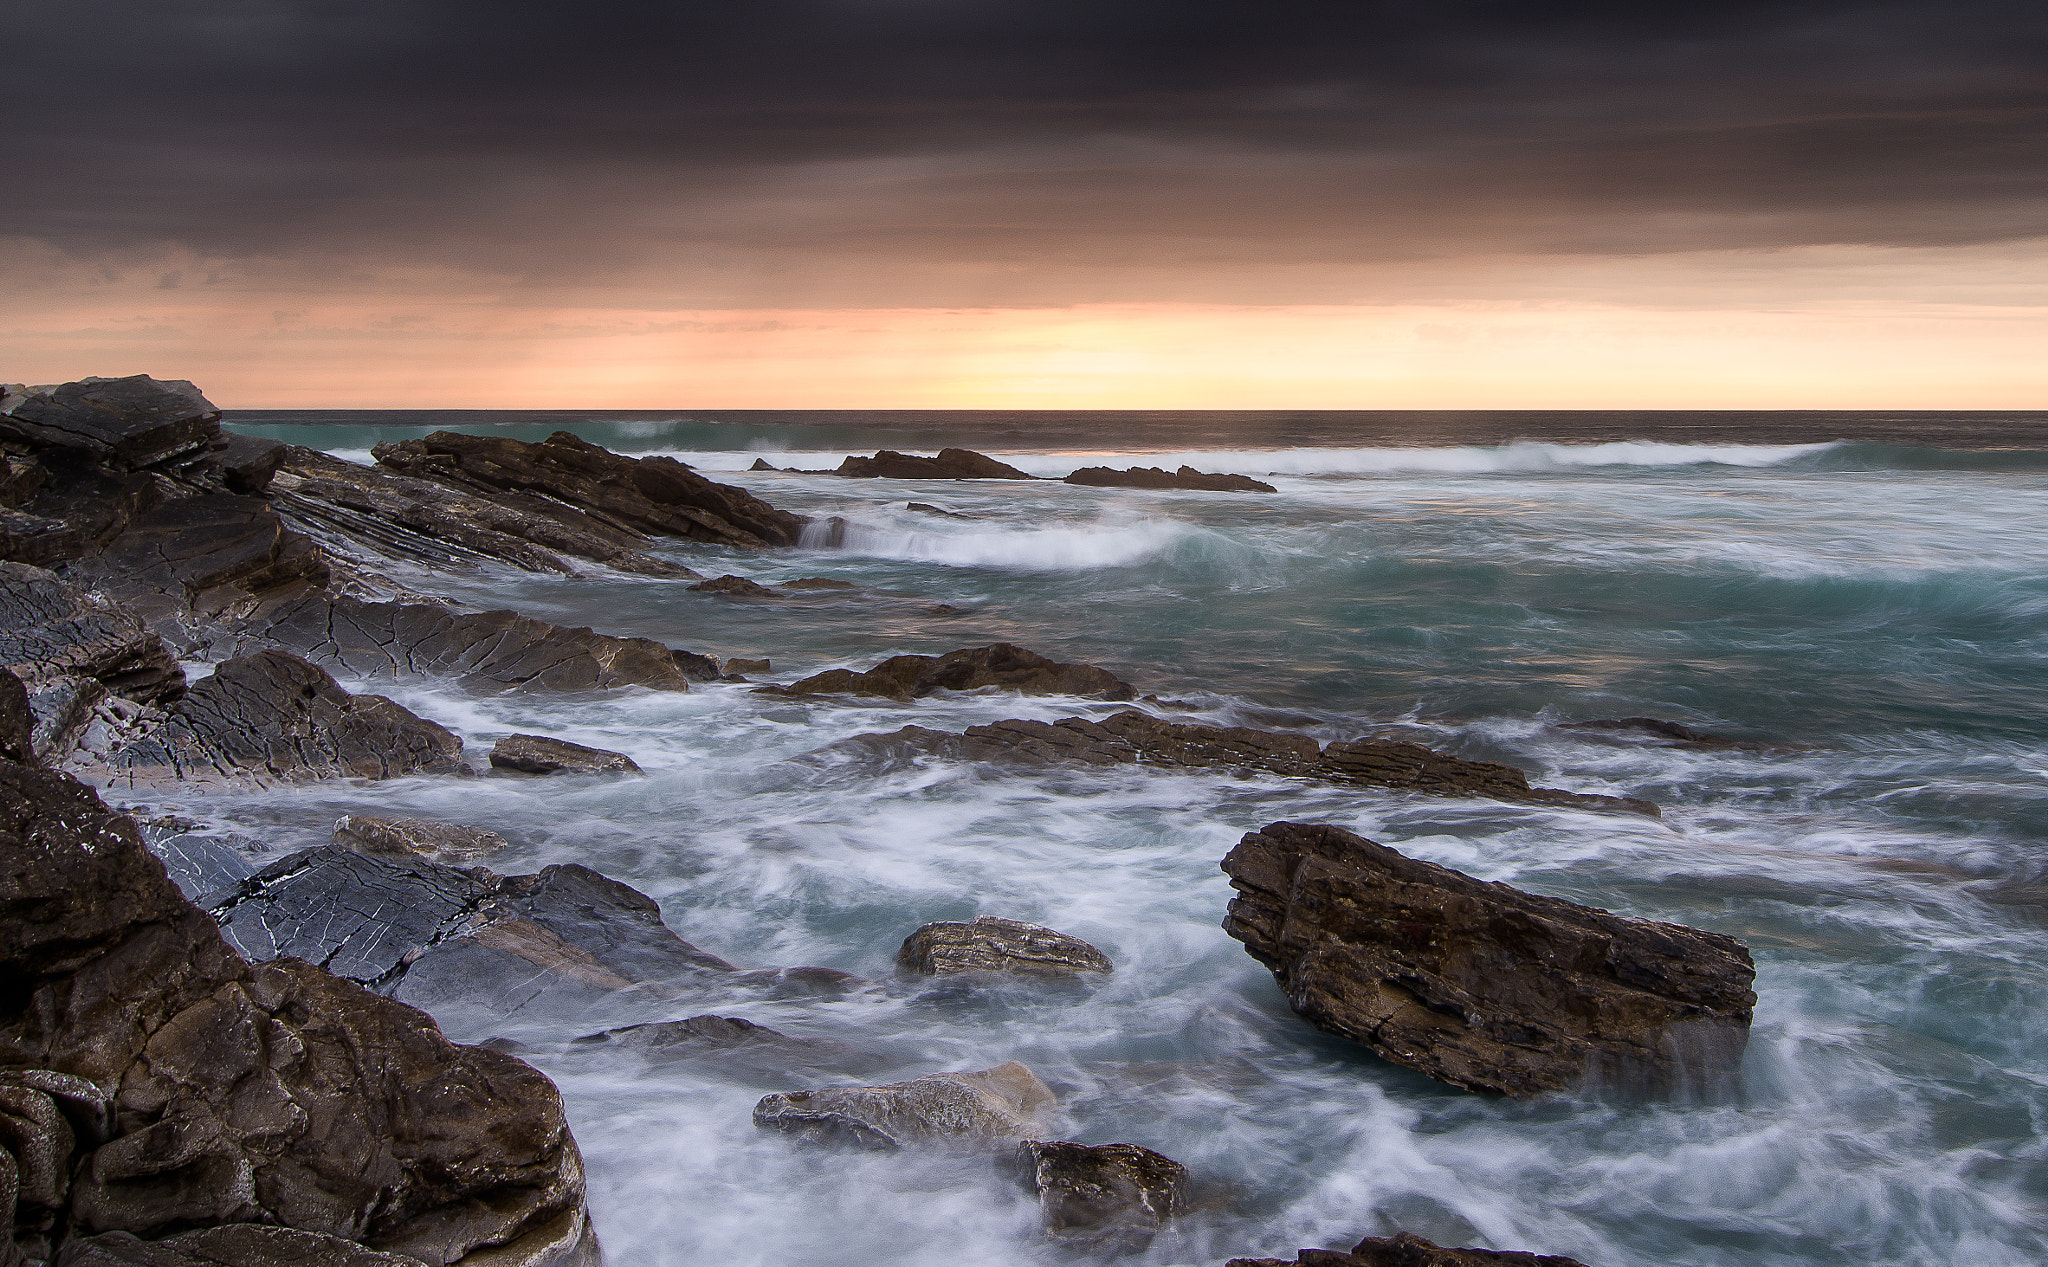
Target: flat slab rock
x,y
1134,738
272,718
971,1111
203,554
1478,984
993,944
539,754
1187,477
1001,666
1103,1197
950,464
135,421
1408,1250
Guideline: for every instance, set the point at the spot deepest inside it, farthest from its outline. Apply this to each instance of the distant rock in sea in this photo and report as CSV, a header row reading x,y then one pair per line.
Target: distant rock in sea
x,y
950,464
1186,477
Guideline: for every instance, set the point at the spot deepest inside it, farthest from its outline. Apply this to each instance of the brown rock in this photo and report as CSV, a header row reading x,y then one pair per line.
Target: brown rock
x,y
737,666
992,944
1153,477
950,464
538,754
1103,1197
403,837
1481,985
26,538
820,583
1002,666
51,629
17,723
1408,1250
231,1245
737,586
949,1110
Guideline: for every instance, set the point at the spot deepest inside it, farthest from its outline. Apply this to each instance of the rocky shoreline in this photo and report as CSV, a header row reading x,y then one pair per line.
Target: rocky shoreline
x,y
182,1067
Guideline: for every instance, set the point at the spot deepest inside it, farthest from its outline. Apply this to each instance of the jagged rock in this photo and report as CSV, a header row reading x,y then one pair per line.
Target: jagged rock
x,y
950,464
204,554
1153,477
26,538
499,650
201,1091
62,709
733,1045
1002,666
356,509
761,464
1103,1197
538,754
655,495
132,422
737,586
450,843
993,944
51,629
1408,1250
738,666
1478,984
232,1245
272,718
976,1110
1134,738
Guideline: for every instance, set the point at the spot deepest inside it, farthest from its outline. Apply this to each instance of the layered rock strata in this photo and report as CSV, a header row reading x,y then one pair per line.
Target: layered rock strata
x,y
1481,985
1187,477
1001,666
993,944
968,1111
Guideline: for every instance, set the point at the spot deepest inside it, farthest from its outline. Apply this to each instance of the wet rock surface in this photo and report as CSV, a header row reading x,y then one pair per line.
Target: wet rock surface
x,y
1657,732
950,464
450,843
538,754
1001,666
735,586
657,496
272,718
199,861
1187,477
1135,738
204,555
970,1111
1103,1197
1478,984
134,422
993,944
1408,1250
197,1090
51,629
733,1045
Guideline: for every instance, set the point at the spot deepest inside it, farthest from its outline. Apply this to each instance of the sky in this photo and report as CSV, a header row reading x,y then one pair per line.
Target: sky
x,y
1031,204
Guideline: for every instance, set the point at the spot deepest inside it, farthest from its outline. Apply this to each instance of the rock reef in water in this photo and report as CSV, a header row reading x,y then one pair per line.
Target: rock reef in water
x,y
450,843
733,1045
1187,477
1408,1250
966,1111
1105,1198
993,944
1135,738
950,464
1481,985
1001,666
539,754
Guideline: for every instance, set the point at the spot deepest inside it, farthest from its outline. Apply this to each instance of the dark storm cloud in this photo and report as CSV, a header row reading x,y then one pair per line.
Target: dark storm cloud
x,y
541,138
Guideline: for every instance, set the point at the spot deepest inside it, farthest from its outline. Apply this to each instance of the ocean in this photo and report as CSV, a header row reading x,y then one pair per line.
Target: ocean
x,y
1862,597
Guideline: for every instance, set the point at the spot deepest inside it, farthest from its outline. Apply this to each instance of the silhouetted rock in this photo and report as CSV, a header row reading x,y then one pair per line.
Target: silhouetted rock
x,y
762,464
538,754
950,464
992,944
1103,1197
976,1110
1001,666
1134,738
656,495
736,586
51,629
272,718
1478,984
1408,1250
450,843
1153,477
133,422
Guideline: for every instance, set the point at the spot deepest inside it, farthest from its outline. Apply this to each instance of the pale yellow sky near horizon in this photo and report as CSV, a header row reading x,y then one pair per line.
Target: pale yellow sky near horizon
x,y
1811,328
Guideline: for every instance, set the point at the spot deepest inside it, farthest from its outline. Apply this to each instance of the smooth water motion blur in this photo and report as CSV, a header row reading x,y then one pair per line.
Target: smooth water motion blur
x,y
1871,617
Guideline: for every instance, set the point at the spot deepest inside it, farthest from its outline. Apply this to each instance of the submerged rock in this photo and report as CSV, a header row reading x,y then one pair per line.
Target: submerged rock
x,y
950,464
450,843
976,1110
1135,738
1478,984
538,754
992,944
1187,477
1103,1197
1001,666
733,1045
1408,1250
1657,732
737,586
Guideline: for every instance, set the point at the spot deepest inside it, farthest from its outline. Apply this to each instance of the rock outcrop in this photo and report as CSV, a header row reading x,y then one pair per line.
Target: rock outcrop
x,y
1478,984
1135,738
1187,477
538,754
272,718
656,496
1110,1198
970,1111
204,556
51,630
950,464
199,1091
131,422
734,586
1001,666
450,843
1408,1250
993,944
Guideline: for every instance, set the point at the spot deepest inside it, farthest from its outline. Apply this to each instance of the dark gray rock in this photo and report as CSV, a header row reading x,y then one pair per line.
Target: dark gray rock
x,y
813,584
62,709
1153,477
51,629
247,463
1656,732
272,718
449,843
950,464
1408,1250
733,1046
200,862
993,944
26,538
1110,1198
17,721
133,422
1001,666
1478,984
538,754
204,554
979,1110
21,477
735,586
926,508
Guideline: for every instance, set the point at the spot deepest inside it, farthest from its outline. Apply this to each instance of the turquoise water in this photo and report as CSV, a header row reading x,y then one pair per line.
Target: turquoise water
x,y
1870,613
